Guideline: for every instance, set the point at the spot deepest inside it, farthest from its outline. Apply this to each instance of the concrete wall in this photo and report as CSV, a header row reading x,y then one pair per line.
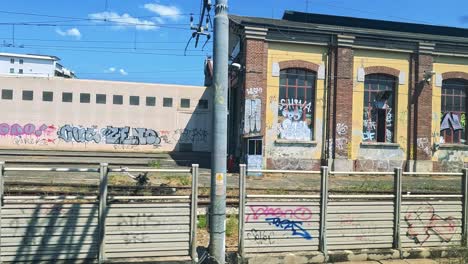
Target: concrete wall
x,y
30,66
58,125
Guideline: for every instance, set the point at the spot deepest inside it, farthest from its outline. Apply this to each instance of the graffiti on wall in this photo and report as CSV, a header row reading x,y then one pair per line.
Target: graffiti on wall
x,y
79,134
452,160
252,119
109,135
424,145
29,134
254,91
195,135
371,124
423,223
295,119
261,237
134,136
294,226
20,130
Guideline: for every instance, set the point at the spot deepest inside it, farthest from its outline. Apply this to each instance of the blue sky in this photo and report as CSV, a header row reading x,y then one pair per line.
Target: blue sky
x,y
153,50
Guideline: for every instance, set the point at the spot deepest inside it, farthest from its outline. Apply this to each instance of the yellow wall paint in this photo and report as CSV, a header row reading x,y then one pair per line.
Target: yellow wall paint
x,y
399,61
443,64
278,52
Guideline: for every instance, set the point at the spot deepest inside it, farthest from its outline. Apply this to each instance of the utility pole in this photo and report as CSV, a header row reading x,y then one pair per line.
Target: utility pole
x,y
219,146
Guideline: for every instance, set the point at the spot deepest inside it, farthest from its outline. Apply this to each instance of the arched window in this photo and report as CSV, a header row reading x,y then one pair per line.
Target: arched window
x,y
296,104
454,108
379,101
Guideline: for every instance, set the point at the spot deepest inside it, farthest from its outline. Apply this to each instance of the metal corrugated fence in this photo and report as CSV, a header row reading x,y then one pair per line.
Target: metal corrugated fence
x,y
286,223
97,228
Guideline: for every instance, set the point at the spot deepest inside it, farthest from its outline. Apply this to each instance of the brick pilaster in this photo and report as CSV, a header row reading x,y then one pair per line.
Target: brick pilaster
x,y
256,59
422,100
343,97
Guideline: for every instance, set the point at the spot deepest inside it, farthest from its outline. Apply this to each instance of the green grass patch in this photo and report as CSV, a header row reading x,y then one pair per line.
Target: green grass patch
x,y
202,222
232,225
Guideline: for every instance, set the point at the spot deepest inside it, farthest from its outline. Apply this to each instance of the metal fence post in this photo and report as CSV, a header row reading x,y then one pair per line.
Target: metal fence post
x,y
397,208
194,214
241,209
103,170
465,208
323,210
2,177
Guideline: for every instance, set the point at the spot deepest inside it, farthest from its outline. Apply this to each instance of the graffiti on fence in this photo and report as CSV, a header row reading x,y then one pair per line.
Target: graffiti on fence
x,y
423,223
286,224
134,136
299,213
260,237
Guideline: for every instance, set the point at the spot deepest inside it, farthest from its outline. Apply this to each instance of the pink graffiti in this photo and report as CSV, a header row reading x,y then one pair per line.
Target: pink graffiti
x,y
423,222
299,213
19,130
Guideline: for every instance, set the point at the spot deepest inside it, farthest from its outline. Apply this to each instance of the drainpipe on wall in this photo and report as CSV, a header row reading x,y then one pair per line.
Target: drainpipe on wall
x,y
325,150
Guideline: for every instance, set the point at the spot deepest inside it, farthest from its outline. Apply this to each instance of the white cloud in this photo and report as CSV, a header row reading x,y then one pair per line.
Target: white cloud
x,y
123,21
123,72
72,32
111,69
171,12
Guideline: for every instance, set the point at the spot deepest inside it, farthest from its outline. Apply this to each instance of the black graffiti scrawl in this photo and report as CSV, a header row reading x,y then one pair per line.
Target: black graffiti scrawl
x,y
134,136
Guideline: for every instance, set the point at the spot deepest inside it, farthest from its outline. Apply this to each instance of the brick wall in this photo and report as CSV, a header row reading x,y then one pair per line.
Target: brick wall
x,y
423,108
256,59
343,101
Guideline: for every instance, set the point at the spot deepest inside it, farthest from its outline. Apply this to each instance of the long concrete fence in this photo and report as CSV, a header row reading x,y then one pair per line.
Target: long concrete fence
x,y
107,228
84,229
326,222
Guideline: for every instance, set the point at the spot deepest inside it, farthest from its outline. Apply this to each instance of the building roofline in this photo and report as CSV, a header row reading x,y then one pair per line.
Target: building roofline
x,y
429,29
30,56
324,24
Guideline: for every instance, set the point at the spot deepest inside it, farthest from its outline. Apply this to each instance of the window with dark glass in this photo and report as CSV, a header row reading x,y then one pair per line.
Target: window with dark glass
x,y
100,98
150,101
28,95
85,98
67,97
296,105
378,114
12,60
20,71
7,94
47,96
134,100
454,109
117,99
185,103
20,61
203,104
167,102
12,70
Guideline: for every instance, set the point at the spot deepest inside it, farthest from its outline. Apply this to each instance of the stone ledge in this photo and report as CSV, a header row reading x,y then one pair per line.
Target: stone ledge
x,y
295,142
379,144
453,146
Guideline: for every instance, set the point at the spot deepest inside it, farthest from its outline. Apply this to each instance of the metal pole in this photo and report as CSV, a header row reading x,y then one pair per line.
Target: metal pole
x,y
241,209
219,149
465,208
397,209
193,214
323,210
102,211
2,177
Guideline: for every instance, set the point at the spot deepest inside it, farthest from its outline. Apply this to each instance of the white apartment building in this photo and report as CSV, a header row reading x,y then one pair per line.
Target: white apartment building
x,y
32,65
